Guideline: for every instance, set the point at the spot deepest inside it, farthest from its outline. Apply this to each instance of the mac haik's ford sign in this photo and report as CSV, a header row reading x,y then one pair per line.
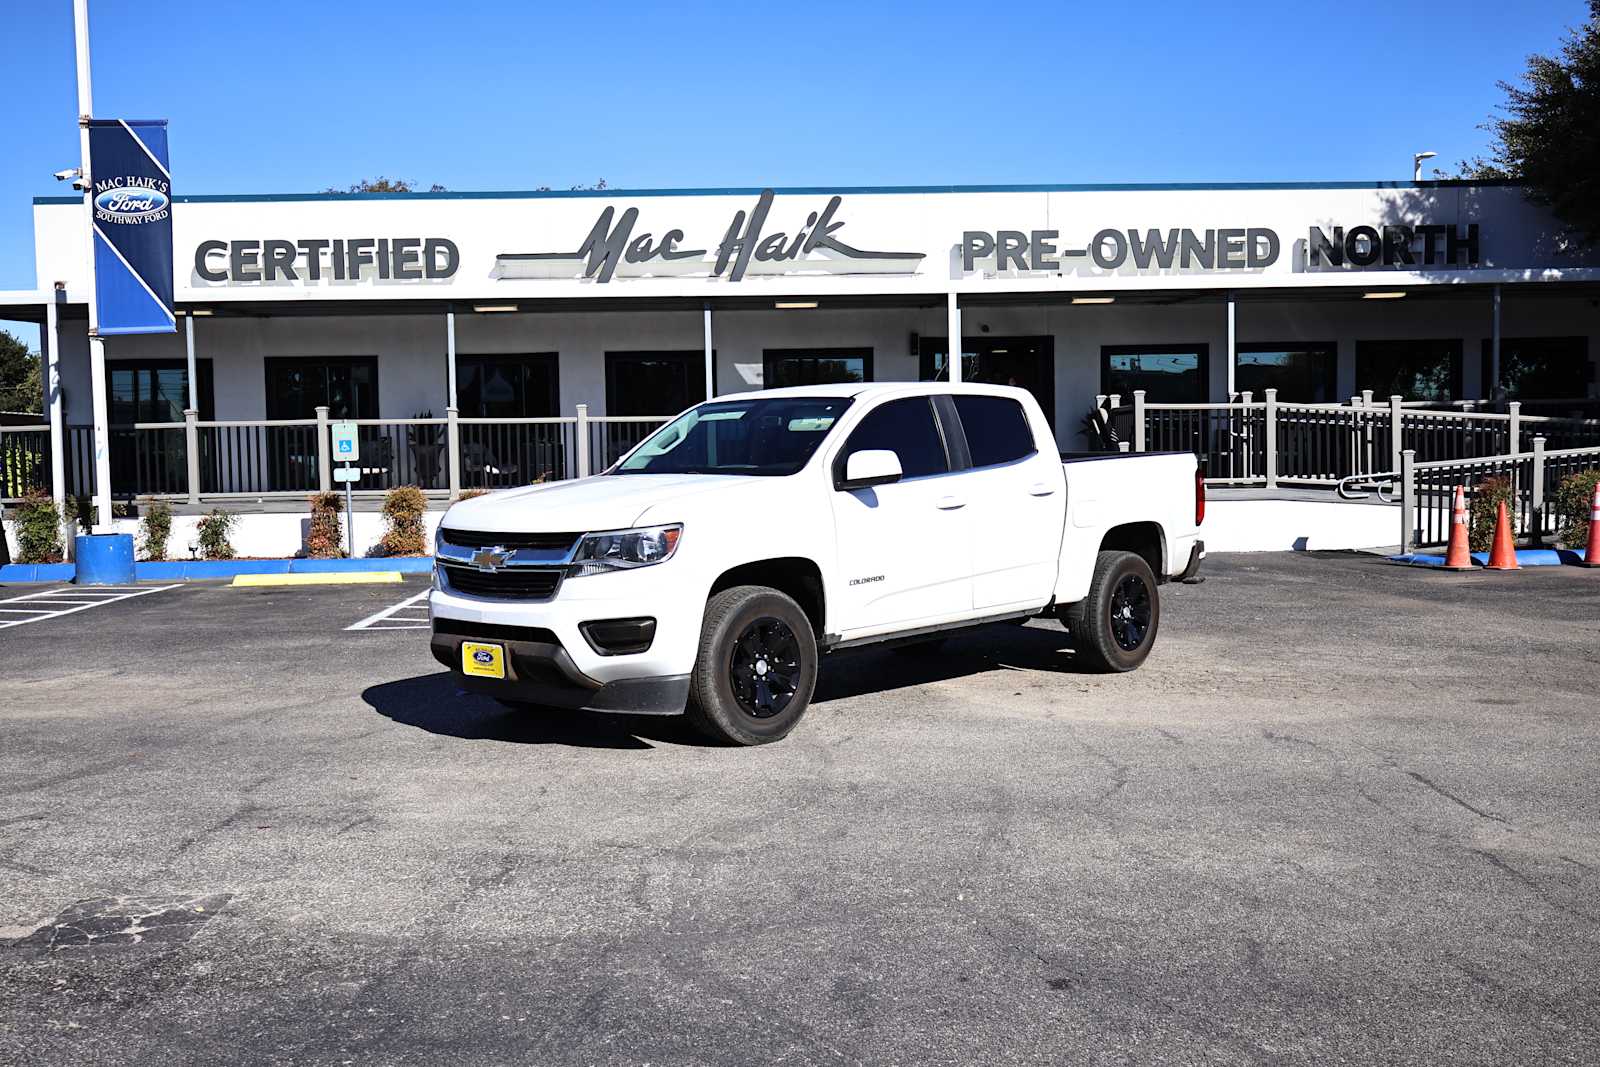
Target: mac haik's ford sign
x,y
123,201
131,197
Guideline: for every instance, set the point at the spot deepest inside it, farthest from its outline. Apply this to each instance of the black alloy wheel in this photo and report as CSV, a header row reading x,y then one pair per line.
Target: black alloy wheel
x,y
764,667
756,666
1130,612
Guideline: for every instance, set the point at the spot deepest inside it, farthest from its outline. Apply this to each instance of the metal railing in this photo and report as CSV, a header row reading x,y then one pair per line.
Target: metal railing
x,y
1426,490
1270,443
24,461
198,460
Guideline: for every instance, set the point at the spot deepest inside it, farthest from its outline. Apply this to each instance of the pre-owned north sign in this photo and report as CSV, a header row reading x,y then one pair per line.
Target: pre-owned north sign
x,y
1241,248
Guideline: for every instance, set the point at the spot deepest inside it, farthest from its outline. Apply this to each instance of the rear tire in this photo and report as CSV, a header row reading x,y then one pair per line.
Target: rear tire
x,y
756,668
1114,627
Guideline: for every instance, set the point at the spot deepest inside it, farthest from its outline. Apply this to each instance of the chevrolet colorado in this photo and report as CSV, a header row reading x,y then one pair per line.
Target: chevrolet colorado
x,y
710,568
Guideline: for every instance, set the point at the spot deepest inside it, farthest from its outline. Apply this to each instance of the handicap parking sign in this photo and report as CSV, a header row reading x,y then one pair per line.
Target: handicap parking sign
x,y
345,446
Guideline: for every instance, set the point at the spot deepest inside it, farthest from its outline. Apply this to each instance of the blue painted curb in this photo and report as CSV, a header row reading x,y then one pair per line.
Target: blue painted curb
x,y
193,569
1526,557
37,572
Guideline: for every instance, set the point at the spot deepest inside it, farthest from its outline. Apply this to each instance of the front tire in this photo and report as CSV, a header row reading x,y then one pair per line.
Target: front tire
x,y
756,668
1114,627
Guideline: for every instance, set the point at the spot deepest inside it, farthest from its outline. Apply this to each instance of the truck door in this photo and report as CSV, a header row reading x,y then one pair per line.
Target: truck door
x,y
1018,503
905,549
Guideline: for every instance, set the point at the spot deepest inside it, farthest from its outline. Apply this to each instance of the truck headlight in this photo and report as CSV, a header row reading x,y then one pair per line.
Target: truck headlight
x,y
624,549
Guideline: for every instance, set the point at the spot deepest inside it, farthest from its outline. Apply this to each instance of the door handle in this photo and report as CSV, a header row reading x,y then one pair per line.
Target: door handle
x,y
1041,489
950,503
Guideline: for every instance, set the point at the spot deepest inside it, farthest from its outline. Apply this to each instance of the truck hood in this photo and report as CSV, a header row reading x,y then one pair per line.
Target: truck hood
x,y
608,502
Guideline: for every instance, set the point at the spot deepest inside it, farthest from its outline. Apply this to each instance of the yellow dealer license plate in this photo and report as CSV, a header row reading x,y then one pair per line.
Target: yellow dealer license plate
x,y
482,660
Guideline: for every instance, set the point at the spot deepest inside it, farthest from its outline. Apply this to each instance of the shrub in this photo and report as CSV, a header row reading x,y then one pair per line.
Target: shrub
x,y
80,509
212,535
470,494
325,537
155,526
38,530
1486,498
1574,496
403,508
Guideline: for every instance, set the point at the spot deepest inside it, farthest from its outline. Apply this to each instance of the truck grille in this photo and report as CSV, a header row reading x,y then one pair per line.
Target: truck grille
x,y
512,583
555,542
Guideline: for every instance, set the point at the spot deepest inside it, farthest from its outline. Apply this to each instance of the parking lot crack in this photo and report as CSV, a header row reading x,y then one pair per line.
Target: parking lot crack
x,y
1532,885
1422,779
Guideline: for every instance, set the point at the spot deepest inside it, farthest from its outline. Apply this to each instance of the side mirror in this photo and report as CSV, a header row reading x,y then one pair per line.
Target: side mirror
x,y
869,467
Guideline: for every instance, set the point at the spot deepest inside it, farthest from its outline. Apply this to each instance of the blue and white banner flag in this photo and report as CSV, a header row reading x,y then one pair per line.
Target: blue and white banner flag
x,y
132,195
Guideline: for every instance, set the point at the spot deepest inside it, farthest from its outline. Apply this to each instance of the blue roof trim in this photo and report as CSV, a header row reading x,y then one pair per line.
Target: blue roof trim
x,y
805,190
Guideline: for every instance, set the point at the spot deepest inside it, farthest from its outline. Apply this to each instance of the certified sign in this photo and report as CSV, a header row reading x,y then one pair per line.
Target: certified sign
x,y
346,449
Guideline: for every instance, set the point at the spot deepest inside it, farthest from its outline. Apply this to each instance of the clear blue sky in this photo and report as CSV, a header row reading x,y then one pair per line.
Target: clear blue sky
x,y
295,96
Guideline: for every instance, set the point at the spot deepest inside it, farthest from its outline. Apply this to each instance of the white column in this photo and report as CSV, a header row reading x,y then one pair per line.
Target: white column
x,y
450,356
52,392
1233,356
97,345
711,367
194,380
953,327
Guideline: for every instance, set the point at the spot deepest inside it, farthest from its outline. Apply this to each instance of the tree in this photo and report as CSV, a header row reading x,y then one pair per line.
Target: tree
x,y
381,184
1547,135
20,388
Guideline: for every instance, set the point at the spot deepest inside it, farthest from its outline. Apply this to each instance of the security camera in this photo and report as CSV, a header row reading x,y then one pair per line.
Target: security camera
x,y
80,185
71,172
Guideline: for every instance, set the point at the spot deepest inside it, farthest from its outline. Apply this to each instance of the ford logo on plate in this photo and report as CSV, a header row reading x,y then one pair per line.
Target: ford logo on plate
x,y
483,657
132,205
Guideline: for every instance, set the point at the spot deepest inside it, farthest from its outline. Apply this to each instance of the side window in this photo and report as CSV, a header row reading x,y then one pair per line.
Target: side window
x,y
997,429
906,428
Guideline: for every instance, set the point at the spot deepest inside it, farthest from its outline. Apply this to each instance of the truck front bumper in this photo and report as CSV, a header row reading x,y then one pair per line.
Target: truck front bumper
x,y
549,659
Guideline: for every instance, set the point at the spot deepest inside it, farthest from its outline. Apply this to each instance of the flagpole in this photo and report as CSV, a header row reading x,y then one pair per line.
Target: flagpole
x,y
97,345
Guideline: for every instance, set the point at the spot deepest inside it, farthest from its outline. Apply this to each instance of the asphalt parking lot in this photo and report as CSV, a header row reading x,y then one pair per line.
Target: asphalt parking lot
x,y
1347,813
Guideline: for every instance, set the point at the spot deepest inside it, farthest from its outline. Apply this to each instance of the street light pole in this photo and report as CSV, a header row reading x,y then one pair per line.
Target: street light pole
x,y
1416,164
97,345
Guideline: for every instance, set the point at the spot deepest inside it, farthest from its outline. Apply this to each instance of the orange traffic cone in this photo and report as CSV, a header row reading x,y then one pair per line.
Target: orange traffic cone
x,y
1503,553
1459,556
1591,555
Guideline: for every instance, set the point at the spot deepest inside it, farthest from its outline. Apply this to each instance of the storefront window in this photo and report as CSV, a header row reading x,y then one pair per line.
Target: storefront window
x,y
1415,370
507,387
815,366
346,385
1024,362
1301,373
654,383
155,390
1540,368
1168,374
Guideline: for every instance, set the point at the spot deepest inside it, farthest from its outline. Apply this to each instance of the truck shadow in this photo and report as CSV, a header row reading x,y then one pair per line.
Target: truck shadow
x,y
1002,647
435,703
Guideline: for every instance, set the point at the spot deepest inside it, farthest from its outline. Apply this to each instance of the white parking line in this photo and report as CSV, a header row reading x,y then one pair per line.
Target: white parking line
x,y
53,603
406,615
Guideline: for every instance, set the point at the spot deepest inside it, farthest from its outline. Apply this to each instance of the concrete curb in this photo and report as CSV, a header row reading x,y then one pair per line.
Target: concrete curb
x,y
200,569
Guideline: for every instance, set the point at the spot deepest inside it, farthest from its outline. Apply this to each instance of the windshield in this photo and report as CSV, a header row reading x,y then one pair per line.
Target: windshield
x,y
760,436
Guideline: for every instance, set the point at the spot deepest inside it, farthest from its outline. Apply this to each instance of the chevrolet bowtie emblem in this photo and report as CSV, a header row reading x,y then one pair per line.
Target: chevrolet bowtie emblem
x,y
489,560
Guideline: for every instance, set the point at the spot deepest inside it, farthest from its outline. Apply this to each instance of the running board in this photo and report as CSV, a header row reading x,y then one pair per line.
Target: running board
x,y
832,642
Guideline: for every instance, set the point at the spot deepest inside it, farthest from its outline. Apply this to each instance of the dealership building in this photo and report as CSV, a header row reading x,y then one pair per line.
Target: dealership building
x,y
634,305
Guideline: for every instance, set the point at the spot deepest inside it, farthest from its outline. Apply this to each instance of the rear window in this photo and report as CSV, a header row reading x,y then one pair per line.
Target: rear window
x,y
997,429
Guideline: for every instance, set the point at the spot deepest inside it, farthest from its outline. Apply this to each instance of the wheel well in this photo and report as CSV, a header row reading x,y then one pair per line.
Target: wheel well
x,y
1142,539
798,577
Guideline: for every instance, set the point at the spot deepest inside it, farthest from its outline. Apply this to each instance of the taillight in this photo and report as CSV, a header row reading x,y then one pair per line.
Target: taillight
x,y
1199,496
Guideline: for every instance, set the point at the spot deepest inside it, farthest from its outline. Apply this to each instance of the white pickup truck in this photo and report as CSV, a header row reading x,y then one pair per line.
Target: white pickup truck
x,y
710,568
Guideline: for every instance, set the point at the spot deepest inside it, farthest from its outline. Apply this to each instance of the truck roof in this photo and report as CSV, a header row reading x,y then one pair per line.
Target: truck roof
x,y
856,389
